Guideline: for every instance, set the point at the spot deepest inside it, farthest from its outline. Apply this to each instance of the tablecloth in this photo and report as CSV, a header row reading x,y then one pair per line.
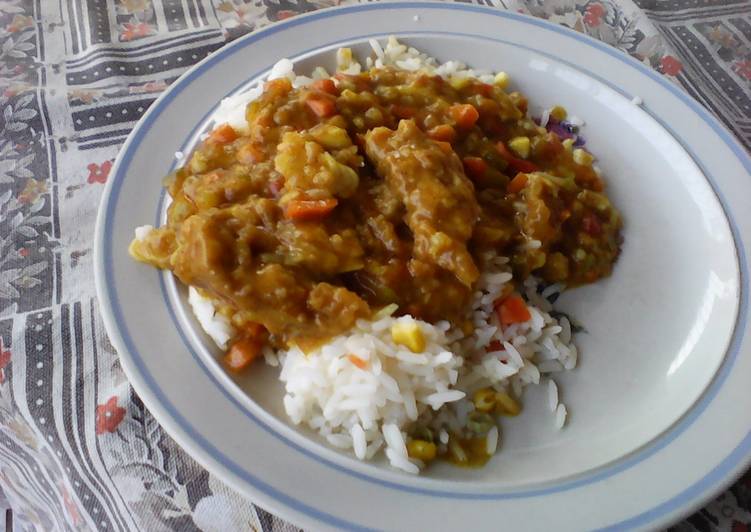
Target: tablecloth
x,y
78,449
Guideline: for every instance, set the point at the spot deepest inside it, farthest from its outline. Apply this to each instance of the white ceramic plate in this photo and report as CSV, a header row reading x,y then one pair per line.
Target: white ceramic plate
x,y
660,403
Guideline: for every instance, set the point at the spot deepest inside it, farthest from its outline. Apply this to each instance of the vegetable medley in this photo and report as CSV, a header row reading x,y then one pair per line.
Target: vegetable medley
x,y
385,187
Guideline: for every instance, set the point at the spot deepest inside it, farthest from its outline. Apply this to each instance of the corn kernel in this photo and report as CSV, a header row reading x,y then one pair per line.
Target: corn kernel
x,y
502,80
583,157
422,450
484,399
568,144
559,113
520,146
408,335
459,82
507,405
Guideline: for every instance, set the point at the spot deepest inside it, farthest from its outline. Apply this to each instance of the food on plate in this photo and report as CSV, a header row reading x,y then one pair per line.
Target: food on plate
x,y
393,238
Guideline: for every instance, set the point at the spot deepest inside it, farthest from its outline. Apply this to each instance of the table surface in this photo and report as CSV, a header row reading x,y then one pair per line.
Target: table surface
x,y
78,449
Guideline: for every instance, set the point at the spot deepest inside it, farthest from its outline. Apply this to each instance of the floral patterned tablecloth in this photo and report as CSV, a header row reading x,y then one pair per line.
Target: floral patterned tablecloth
x,y
78,449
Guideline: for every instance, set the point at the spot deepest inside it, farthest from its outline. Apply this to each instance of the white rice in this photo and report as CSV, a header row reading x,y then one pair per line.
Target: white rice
x,y
545,118
369,409
213,323
552,395
491,441
142,231
560,415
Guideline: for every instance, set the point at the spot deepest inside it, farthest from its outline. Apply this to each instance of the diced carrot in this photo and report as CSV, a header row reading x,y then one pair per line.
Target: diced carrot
x,y
325,85
357,361
223,134
513,309
516,184
241,353
465,115
309,209
445,146
475,167
321,106
484,89
403,111
444,132
520,165
250,154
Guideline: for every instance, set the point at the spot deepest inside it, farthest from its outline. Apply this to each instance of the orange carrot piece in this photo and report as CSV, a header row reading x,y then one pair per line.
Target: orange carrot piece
x,y
322,107
223,134
325,85
444,132
483,89
241,353
357,361
516,184
464,114
513,309
309,209
520,165
475,167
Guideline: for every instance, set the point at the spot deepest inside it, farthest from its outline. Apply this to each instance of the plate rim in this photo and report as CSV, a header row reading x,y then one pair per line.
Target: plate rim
x,y
184,81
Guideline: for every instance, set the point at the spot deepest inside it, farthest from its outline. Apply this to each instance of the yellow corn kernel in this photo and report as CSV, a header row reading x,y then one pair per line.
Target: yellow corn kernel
x,y
520,146
507,405
568,144
422,450
583,157
459,82
502,80
559,113
484,399
409,335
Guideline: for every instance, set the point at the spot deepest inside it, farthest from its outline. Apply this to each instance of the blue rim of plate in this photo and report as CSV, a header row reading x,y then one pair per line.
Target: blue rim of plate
x,y
677,502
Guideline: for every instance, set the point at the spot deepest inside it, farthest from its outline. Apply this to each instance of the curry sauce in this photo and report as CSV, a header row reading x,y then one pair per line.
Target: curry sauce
x,y
380,188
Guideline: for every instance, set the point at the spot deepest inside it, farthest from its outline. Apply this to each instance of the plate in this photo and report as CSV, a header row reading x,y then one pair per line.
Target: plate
x,y
659,403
